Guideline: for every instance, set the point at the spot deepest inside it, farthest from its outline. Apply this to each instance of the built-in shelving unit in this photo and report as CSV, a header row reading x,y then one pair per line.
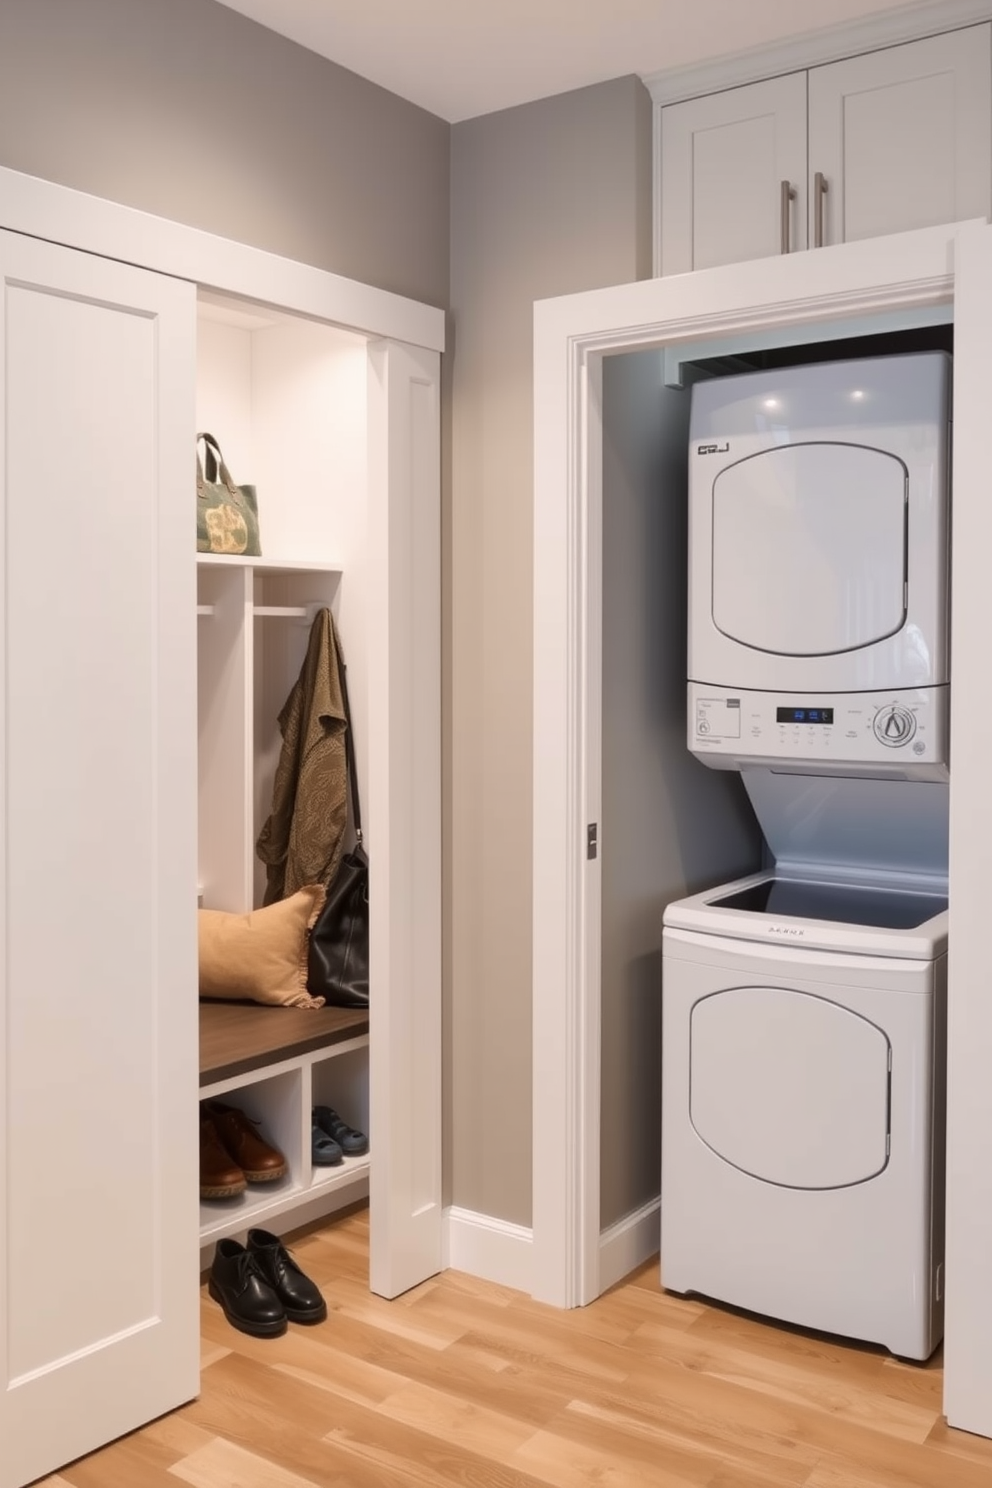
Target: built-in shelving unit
x,y
276,1064
285,398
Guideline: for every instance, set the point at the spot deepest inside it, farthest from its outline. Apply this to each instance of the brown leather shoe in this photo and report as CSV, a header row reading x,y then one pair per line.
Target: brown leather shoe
x,y
220,1178
258,1160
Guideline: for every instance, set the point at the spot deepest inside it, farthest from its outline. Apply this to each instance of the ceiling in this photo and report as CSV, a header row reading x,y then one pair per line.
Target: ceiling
x,y
461,58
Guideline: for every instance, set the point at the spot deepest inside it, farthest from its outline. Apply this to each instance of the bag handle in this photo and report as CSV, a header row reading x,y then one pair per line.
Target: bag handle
x,y
214,461
349,747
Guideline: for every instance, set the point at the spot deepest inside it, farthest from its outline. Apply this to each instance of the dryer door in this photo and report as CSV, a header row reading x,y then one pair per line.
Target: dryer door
x,y
789,1087
810,549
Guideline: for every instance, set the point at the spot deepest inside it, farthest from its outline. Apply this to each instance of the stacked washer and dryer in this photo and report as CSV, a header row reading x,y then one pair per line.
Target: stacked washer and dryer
x,y
804,1006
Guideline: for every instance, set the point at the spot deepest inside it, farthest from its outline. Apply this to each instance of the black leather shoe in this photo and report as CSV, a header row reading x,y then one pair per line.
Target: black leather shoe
x,y
239,1285
297,1294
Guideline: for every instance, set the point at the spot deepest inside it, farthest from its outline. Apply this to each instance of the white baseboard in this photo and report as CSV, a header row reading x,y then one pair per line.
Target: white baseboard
x,y
503,1253
629,1243
491,1248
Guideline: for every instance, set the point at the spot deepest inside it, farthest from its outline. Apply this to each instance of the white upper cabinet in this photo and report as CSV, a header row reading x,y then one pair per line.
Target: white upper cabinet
x,y
901,138
895,139
733,175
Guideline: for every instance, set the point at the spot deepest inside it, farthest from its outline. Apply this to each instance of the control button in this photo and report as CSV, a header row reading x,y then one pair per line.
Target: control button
x,y
894,726
702,727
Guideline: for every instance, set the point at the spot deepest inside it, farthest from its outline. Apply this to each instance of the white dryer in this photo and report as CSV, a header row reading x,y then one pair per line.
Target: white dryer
x,y
803,1008
818,553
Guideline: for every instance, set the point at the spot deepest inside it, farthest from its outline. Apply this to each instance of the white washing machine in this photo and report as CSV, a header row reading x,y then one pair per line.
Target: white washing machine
x,y
803,1007
803,1104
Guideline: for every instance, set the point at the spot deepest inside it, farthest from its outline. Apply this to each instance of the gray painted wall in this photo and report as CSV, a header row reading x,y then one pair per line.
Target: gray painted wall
x,y
188,110
670,826
548,198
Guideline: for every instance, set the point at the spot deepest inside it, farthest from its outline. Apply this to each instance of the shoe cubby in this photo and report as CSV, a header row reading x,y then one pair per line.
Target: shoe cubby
x,y
275,1065
274,1104
342,1083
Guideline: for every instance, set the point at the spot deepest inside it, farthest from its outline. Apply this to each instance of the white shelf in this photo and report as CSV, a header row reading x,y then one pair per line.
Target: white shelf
x,y
219,1217
341,1175
262,1203
267,565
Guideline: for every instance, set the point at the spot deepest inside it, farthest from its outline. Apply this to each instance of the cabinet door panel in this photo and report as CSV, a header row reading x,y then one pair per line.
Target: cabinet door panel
x,y
723,161
98,1279
903,136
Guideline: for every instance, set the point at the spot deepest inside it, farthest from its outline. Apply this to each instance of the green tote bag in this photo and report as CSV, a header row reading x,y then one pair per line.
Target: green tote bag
x,y
226,514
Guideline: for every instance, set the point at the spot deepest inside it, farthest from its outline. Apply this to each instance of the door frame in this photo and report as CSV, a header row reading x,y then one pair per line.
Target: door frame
x,y
573,334
404,340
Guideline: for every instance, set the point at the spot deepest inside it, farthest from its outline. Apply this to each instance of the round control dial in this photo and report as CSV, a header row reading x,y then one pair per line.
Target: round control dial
x,y
894,725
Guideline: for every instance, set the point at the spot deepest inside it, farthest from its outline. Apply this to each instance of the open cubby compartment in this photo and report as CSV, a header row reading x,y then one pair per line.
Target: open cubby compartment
x,y
279,1103
340,1079
286,605
286,399
224,751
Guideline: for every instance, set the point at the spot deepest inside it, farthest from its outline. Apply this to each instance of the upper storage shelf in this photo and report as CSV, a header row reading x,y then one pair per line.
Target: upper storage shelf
x,y
266,565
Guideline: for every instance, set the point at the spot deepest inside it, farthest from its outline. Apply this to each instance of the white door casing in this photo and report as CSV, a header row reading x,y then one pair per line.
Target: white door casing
x,y
404,751
900,273
98,1216
968,1311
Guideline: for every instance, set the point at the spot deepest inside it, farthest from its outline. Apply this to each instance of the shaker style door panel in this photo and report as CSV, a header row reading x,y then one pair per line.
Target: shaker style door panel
x,y
98,1034
733,175
901,138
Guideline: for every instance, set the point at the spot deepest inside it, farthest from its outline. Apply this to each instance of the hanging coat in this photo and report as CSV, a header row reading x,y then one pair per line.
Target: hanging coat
x,y
303,838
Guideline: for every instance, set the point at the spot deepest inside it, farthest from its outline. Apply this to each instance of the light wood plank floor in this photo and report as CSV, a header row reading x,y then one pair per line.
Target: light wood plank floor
x,y
461,1384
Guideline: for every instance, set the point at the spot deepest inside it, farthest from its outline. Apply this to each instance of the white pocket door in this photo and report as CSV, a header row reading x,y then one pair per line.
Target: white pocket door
x,y
98,1224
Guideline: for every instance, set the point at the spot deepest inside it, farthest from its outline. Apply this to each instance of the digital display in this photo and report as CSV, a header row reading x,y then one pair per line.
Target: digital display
x,y
804,715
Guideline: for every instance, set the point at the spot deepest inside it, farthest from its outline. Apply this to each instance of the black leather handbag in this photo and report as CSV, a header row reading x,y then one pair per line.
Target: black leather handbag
x,y
338,965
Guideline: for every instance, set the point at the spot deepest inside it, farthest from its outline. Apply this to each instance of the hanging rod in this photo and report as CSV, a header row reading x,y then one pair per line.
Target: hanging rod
x,y
308,612
289,612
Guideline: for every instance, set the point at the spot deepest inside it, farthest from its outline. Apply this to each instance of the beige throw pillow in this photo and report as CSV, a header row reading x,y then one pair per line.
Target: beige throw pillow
x,y
261,956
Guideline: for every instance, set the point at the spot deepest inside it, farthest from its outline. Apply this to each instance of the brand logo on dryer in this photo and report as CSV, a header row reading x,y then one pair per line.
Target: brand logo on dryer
x,y
712,449
796,930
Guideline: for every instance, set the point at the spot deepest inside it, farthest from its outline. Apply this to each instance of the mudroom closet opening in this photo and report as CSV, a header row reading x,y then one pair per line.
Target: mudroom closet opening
x,y
181,636
670,827
285,400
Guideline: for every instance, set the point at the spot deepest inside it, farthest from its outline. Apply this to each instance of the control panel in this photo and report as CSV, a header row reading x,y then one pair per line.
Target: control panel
x,y
903,733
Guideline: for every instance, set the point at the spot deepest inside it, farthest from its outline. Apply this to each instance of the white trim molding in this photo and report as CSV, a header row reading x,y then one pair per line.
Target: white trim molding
x,y
491,1248
815,48
42,209
629,1243
906,272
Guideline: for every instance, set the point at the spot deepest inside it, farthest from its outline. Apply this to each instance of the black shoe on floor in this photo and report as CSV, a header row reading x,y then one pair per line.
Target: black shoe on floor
x,y
238,1283
297,1294
352,1143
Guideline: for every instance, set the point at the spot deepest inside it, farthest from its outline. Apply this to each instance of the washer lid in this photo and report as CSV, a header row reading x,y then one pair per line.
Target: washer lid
x,y
789,1087
809,549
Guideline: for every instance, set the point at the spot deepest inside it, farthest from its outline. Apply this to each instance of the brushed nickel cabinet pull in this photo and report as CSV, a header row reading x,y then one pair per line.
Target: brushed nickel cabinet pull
x,y
820,189
788,196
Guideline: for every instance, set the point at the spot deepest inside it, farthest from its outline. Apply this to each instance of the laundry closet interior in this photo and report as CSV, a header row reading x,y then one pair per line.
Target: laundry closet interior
x,y
670,827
